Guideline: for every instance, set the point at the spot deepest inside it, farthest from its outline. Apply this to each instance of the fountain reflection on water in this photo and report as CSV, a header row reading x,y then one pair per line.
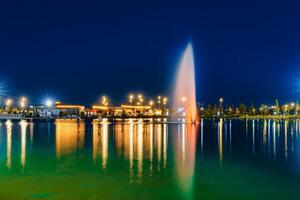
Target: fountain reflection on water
x,y
141,153
184,104
185,156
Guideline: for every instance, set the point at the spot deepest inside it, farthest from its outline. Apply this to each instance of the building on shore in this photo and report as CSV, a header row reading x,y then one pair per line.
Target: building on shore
x,y
69,110
124,110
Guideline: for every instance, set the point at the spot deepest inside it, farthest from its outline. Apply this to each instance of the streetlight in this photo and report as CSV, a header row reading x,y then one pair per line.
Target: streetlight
x,y
221,106
23,101
48,103
8,102
131,97
165,100
221,100
293,107
292,104
104,100
151,103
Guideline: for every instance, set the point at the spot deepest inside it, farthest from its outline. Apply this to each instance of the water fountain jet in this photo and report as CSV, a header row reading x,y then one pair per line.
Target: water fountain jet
x,y
184,93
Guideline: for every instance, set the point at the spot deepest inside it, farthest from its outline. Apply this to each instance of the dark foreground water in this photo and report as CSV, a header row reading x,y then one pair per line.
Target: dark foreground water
x,y
224,159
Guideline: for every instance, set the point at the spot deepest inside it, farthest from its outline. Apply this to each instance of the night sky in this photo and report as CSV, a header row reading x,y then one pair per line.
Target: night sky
x,y
245,51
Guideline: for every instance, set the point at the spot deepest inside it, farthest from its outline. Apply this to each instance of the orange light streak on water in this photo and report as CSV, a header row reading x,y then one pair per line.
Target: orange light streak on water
x,y
185,156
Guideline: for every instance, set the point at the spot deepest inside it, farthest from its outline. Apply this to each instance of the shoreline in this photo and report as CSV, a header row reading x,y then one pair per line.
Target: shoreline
x,y
151,119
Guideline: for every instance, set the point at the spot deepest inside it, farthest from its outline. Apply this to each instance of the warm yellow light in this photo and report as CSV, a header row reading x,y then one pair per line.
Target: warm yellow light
x,y
100,107
158,112
8,102
140,96
23,99
134,107
292,104
165,99
183,99
63,106
104,100
221,99
23,102
151,103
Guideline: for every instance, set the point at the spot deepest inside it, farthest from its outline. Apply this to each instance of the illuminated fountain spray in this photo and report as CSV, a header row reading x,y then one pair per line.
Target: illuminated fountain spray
x,y
184,103
184,95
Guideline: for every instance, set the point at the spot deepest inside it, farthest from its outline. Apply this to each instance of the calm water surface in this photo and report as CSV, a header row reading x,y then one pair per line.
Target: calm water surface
x,y
216,159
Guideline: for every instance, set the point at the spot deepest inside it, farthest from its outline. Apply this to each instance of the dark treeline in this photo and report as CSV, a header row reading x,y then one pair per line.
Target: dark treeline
x,y
242,109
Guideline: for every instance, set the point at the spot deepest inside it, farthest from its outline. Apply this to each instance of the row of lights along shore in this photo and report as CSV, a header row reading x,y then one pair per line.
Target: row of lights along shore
x,y
139,100
23,102
136,100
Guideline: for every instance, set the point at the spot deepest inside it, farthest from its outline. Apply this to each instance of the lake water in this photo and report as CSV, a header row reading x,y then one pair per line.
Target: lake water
x,y
216,159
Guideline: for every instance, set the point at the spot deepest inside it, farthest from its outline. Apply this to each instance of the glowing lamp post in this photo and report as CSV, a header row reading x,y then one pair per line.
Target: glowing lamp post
x,y
131,97
8,103
293,108
23,102
221,100
151,103
165,100
48,103
140,99
159,102
104,100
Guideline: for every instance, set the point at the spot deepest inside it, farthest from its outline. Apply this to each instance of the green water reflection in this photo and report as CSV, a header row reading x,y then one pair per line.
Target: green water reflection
x,y
215,159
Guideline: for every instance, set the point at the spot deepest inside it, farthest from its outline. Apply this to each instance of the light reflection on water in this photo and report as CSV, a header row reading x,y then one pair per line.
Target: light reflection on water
x,y
185,155
23,125
147,151
139,142
69,137
8,145
135,139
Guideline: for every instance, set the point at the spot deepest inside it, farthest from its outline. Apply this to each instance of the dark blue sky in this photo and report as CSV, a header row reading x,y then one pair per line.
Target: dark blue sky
x,y
77,50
